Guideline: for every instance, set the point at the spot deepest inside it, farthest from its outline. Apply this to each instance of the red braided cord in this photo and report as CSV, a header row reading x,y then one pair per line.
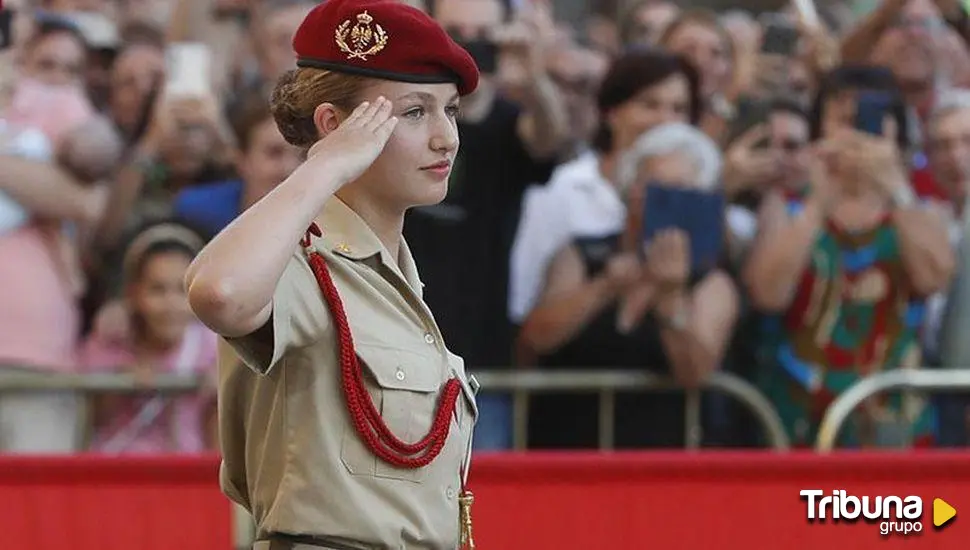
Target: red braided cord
x,y
364,414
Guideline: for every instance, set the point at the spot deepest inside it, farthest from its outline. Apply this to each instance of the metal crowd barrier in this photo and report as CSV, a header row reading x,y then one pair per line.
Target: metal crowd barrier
x,y
519,382
522,382
907,380
17,380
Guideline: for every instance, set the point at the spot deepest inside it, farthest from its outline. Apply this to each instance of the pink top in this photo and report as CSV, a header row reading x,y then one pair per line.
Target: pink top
x,y
54,110
39,320
153,424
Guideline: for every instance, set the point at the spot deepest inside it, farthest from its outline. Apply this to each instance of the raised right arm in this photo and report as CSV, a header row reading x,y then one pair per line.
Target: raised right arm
x,y
232,281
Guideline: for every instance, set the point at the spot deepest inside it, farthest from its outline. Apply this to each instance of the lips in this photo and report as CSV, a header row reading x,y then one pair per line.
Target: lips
x,y
443,165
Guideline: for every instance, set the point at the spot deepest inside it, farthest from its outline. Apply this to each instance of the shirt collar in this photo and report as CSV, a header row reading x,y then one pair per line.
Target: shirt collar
x,y
346,234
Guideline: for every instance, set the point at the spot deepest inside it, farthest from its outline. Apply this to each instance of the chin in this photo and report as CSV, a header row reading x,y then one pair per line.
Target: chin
x,y
429,195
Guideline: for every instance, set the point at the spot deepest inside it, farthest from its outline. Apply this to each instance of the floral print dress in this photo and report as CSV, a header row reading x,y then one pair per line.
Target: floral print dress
x,y
854,313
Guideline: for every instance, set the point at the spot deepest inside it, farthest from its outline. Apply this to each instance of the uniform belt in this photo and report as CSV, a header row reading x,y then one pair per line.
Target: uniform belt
x,y
281,541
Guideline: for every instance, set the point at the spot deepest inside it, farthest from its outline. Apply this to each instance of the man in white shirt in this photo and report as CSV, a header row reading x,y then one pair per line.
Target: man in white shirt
x,y
577,201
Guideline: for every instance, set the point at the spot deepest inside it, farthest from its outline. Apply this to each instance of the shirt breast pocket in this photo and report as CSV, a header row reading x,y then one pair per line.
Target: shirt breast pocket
x,y
404,387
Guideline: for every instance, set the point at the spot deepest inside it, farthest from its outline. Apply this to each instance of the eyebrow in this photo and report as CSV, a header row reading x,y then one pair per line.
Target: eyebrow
x,y
425,96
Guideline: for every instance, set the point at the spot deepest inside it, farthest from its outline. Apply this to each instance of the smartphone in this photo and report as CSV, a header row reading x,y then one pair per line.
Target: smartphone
x,y
872,108
700,214
780,37
188,70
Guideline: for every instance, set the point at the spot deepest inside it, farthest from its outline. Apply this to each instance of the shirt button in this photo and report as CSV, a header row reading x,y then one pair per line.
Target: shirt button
x,y
429,338
399,374
450,493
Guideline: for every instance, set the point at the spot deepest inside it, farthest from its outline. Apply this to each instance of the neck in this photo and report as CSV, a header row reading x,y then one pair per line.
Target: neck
x,y
387,223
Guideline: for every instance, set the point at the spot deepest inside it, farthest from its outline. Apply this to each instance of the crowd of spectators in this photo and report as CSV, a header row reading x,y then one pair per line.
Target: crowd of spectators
x,y
658,187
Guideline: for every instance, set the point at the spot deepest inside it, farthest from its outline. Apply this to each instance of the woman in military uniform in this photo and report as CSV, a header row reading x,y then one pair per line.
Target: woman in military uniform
x,y
347,423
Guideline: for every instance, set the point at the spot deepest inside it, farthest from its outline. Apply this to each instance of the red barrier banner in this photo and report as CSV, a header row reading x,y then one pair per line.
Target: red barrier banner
x,y
99,503
723,501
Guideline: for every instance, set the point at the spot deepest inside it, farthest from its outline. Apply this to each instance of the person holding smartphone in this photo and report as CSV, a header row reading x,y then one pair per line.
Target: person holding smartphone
x,y
642,90
345,421
636,300
846,266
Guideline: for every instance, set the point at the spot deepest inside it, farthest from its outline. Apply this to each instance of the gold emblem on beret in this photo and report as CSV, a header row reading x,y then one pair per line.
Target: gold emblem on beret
x,y
365,39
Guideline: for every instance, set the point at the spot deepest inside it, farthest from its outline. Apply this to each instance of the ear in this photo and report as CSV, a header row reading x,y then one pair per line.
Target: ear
x,y
326,118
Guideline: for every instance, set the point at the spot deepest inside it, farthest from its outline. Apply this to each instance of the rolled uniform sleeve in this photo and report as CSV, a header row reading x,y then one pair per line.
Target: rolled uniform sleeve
x,y
299,318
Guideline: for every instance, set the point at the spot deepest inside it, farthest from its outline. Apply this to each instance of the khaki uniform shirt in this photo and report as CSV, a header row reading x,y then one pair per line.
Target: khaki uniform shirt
x,y
292,456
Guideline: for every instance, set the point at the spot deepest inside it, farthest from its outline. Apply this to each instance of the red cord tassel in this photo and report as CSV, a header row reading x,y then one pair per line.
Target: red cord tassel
x,y
364,414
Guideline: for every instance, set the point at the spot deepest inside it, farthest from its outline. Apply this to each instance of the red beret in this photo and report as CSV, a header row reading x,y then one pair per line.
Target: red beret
x,y
382,39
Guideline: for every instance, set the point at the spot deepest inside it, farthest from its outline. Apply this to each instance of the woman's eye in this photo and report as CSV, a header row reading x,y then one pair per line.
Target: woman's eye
x,y
452,111
416,112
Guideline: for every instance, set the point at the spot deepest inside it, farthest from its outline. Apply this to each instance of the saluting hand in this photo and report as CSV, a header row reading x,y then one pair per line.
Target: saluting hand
x,y
357,142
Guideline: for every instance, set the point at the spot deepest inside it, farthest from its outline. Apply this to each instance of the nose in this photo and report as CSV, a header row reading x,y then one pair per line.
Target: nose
x,y
444,135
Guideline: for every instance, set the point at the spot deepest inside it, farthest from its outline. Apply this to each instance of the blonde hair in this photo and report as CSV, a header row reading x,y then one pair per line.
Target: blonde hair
x,y
298,93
